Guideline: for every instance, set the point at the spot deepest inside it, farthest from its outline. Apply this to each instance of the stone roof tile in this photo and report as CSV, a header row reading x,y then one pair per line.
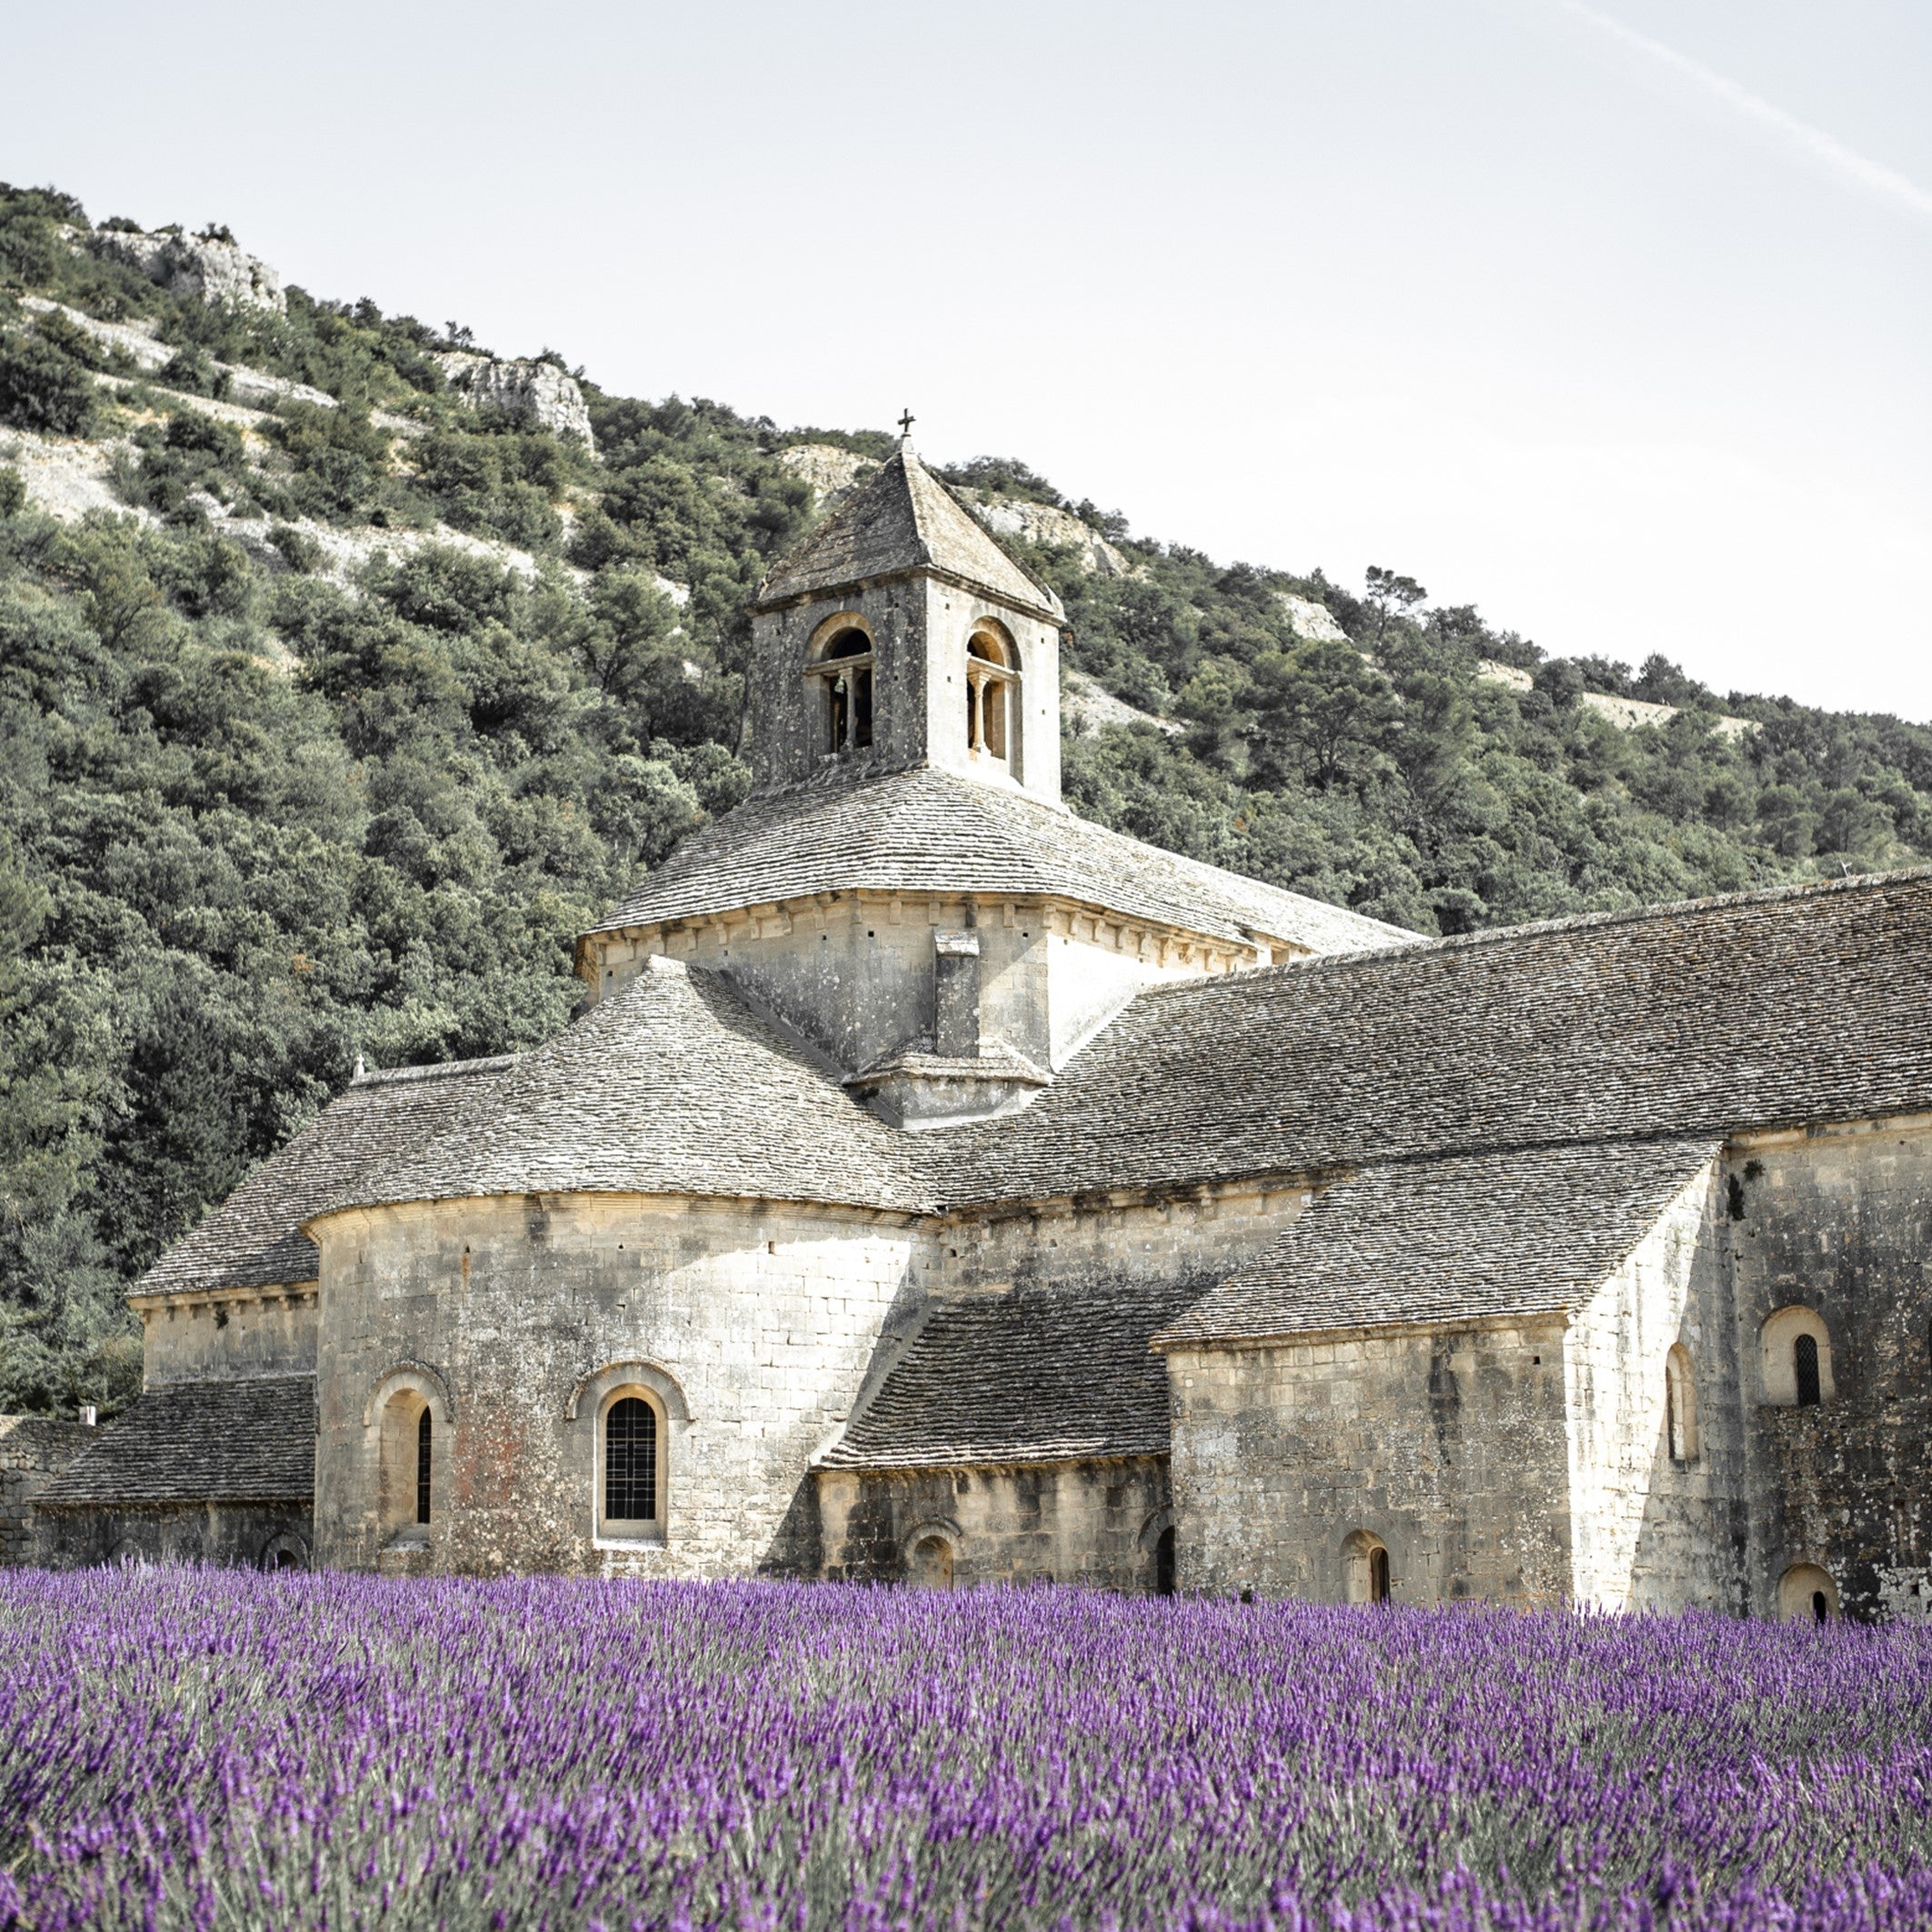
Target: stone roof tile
x,y
927,831
1026,1375
675,1084
902,519
227,1441
1757,1010
1477,1237
254,1238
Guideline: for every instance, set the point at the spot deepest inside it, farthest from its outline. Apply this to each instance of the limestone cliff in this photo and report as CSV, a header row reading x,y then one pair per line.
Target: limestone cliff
x,y
199,266
536,394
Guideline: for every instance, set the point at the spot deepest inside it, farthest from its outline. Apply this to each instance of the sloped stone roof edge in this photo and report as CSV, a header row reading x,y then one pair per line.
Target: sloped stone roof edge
x,y
1421,944
1049,612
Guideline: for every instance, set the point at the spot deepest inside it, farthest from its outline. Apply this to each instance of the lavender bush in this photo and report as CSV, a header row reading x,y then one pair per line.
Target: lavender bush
x,y
183,1747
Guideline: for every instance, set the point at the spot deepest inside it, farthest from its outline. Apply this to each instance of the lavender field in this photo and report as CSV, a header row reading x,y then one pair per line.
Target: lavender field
x,y
195,1749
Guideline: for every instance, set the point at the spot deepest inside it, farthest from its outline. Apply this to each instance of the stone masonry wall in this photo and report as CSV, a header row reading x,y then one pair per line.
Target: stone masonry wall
x,y
1649,1530
761,1321
32,1451
247,1332
789,742
250,1536
1034,719
1199,1235
1449,1448
1840,1222
919,630
1093,1524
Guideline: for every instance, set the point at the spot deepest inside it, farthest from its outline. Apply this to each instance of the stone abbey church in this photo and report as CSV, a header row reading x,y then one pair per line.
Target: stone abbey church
x,y
940,1187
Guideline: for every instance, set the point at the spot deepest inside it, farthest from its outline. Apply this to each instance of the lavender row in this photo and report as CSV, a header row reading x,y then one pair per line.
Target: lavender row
x,y
183,1747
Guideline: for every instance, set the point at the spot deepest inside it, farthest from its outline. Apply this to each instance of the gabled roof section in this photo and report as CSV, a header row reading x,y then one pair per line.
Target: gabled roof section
x,y
1759,1011
201,1442
928,830
1483,1238
676,1084
1032,1376
254,1239
904,519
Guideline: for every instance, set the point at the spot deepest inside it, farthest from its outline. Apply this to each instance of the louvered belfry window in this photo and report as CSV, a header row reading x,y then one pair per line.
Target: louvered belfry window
x,y
630,1462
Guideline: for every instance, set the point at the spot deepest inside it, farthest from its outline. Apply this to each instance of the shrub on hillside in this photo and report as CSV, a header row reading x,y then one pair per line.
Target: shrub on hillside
x,y
43,388
12,490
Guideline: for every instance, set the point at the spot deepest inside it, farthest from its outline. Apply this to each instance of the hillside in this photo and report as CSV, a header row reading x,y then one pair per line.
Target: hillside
x,y
347,671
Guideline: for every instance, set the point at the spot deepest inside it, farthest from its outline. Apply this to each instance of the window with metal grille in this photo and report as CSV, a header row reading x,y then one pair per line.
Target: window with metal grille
x,y
630,1462
423,1429
1805,1365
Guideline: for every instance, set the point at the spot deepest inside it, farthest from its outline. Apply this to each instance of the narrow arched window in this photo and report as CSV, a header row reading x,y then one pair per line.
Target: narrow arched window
x,y
1805,1370
1378,1575
406,1434
630,1462
1680,1405
1795,1354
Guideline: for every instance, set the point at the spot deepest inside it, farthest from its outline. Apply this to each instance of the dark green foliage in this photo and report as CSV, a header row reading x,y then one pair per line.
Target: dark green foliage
x,y
189,453
43,387
253,821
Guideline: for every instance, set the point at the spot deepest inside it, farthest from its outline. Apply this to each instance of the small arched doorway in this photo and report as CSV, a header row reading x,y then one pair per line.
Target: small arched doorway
x,y
1365,1568
1806,1594
929,1562
1164,1562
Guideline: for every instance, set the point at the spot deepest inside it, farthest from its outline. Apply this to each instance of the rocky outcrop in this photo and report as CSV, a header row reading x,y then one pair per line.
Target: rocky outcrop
x,y
830,470
1623,714
1311,620
219,273
1051,529
536,394
1490,671
1087,705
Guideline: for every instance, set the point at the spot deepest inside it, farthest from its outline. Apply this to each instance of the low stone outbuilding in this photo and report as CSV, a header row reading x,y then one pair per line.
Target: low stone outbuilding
x,y
939,1187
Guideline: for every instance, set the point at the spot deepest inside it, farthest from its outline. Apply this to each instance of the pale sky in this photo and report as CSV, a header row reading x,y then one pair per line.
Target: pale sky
x,y
1611,320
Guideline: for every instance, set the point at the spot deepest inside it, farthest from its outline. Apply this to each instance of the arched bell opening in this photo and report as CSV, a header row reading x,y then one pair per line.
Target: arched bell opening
x,y
840,670
992,691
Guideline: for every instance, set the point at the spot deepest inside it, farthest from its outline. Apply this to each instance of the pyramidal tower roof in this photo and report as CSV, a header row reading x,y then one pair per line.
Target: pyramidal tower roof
x,y
904,519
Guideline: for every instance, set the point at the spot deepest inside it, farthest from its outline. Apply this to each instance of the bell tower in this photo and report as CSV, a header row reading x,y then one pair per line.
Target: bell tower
x,y
899,633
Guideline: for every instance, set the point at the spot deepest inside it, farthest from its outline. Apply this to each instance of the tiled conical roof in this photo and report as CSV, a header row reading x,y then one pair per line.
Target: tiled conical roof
x,y
904,519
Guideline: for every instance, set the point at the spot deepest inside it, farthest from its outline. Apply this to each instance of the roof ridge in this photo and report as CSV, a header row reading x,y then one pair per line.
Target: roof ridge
x,y
1048,594
1569,923
439,1070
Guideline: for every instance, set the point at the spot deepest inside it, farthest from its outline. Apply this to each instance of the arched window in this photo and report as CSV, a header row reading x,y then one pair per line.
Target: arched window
x,y
1795,1359
1806,1594
1365,1565
1164,1562
840,668
404,1499
630,1465
993,682
1680,1405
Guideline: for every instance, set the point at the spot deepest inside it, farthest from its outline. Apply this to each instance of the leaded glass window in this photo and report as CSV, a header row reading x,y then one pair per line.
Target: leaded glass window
x,y
630,1462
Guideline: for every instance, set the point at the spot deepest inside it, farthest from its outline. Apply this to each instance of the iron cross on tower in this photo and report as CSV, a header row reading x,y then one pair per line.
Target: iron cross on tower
x,y
906,422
